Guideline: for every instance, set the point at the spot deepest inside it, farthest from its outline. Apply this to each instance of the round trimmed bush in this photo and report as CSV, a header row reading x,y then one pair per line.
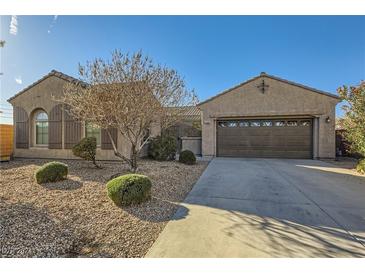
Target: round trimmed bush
x,y
187,157
86,149
162,148
129,189
51,172
361,166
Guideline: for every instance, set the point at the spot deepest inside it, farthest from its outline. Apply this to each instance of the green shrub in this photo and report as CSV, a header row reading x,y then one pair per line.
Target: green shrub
x,y
162,148
187,157
51,172
129,189
361,166
86,149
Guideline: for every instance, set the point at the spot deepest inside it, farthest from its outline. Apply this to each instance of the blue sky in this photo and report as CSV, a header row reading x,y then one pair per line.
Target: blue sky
x,y
213,53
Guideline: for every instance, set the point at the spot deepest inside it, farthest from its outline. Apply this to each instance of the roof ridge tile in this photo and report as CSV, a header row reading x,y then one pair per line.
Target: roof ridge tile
x,y
264,74
53,72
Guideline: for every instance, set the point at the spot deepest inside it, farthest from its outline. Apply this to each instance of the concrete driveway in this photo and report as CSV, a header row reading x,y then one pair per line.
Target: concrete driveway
x,y
269,208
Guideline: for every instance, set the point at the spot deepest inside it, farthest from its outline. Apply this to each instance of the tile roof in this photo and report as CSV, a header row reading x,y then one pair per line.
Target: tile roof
x,y
189,110
52,73
263,74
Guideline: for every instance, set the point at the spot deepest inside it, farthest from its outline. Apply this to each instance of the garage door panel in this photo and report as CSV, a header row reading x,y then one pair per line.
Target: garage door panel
x,y
260,141
295,141
291,132
266,154
239,149
237,139
234,143
256,131
248,142
244,132
297,144
279,142
290,139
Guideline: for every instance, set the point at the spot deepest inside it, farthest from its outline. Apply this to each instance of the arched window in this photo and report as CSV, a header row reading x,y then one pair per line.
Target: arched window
x,y
41,128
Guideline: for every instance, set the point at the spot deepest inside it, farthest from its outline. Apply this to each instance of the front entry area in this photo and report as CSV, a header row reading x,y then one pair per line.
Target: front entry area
x,y
265,138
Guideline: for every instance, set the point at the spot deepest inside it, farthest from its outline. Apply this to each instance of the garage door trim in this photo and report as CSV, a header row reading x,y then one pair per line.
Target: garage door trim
x,y
258,140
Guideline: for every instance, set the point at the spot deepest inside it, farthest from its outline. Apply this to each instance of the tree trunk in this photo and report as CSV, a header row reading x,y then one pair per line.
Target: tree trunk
x,y
95,164
133,163
116,152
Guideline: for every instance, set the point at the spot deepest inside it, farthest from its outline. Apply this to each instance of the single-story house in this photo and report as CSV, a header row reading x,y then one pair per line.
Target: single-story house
x,y
44,129
263,117
267,116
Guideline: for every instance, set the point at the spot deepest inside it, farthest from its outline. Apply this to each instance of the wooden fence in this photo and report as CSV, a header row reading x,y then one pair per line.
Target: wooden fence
x,y
6,142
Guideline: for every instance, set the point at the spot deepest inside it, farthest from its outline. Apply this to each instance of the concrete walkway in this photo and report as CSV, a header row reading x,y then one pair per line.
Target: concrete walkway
x,y
268,208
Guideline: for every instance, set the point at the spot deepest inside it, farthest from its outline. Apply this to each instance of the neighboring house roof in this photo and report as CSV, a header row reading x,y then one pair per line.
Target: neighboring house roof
x,y
186,110
190,111
263,74
52,73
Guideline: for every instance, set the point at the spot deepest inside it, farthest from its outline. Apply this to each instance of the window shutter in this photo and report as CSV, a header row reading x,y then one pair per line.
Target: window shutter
x,y
22,128
105,140
72,129
55,128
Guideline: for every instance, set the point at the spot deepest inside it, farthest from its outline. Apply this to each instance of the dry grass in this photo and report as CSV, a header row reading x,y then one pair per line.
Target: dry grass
x,y
75,217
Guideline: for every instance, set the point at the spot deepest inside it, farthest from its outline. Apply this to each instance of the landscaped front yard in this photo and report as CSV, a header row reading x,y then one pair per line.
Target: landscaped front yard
x,y
75,217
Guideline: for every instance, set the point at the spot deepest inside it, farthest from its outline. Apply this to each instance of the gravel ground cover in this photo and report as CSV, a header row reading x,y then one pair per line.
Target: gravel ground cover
x,y
75,218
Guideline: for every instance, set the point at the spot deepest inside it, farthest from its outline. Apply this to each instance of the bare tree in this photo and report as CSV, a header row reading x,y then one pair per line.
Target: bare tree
x,y
130,93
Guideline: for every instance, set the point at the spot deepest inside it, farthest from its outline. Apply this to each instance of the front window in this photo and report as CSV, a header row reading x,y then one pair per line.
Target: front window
x,y
267,124
255,123
292,123
279,123
93,131
232,124
222,124
305,123
41,128
244,124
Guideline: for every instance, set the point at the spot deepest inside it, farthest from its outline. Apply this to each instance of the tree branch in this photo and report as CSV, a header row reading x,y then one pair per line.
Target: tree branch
x,y
116,152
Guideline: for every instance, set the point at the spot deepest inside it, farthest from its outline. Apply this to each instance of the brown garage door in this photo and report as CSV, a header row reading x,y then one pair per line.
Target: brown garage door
x,y
276,138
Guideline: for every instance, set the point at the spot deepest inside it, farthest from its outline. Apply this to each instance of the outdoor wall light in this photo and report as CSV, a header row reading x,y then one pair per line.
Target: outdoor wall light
x,y
328,119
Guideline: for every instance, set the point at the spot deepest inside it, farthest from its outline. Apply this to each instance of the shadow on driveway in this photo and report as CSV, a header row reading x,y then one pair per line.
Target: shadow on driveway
x,y
269,208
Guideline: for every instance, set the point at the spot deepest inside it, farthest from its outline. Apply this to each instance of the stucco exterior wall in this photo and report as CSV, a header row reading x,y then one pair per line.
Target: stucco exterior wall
x,y
279,100
193,144
44,96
